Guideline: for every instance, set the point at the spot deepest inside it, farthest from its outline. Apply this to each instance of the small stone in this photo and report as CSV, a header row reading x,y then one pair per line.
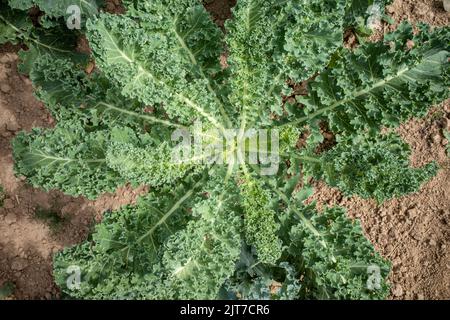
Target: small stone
x,y
90,67
27,81
8,204
432,242
4,59
420,296
437,138
447,5
19,264
397,291
392,233
411,213
10,219
5,88
397,261
12,126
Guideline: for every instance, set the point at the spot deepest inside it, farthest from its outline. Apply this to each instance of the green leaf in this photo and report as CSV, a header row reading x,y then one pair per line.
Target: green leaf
x,y
371,167
67,158
381,84
338,260
163,59
360,10
259,222
57,41
123,261
152,165
200,258
58,8
13,24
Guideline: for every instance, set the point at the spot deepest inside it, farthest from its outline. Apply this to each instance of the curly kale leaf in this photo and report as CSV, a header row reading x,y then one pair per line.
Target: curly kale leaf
x,y
160,248
13,24
360,11
58,41
259,224
371,167
59,8
67,158
163,58
381,84
338,262
70,93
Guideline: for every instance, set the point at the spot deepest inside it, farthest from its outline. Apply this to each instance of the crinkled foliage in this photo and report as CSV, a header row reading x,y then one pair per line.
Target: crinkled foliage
x,y
206,230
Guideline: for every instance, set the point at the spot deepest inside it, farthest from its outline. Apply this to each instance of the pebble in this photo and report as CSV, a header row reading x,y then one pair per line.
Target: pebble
x,y
411,213
397,291
447,5
8,204
5,88
4,59
437,138
90,67
27,81
10,219
19,264
392,233
12,126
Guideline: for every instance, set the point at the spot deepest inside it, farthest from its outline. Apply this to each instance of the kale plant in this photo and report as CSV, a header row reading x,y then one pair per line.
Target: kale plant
x,y
220,225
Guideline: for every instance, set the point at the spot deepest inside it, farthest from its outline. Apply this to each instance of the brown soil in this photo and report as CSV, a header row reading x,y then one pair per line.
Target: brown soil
x,y
429,11
220,10
413,231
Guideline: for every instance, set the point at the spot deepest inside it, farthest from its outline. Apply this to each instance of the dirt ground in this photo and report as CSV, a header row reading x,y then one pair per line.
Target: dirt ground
x,y
413,232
